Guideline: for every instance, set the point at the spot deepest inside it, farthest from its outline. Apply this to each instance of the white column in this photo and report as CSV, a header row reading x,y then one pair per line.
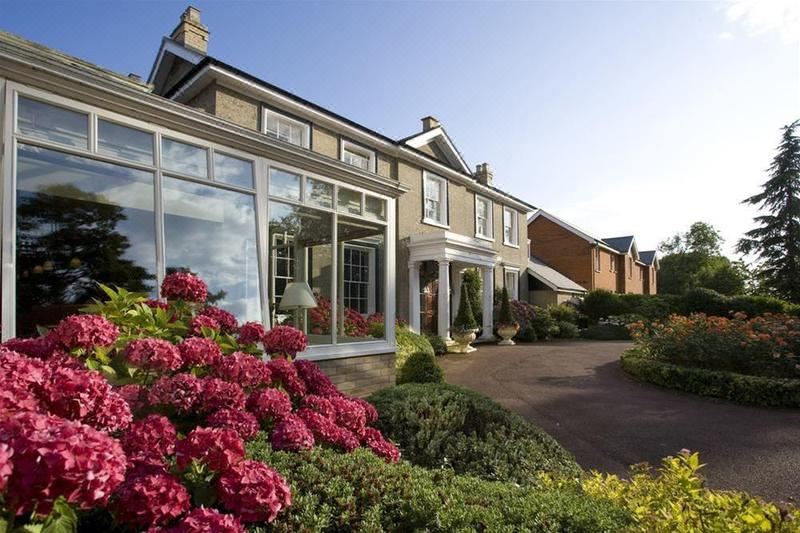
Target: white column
x,y
444,299
413,296
488,302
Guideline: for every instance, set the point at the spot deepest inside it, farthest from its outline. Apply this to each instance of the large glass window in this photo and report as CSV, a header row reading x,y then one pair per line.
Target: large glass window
x,y
284,184
319,193
184,158
44,121
80,222
124,142
212,232
349,201
435,199
233,171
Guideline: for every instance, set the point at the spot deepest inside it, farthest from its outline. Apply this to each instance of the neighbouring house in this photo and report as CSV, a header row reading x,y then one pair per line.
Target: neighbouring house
x,y
650,271
614,263
109,179
548,286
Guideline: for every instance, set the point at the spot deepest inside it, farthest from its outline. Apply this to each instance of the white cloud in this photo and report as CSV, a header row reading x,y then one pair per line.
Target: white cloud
x,y
765,16
725,36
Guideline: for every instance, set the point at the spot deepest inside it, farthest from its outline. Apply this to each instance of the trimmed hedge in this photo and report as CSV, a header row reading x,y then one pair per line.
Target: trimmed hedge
x,y
360,492
440,425
421,367
606,332
409,343
739,388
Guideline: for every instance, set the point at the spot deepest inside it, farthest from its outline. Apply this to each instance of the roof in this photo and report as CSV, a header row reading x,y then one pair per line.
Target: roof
x,y
571,228
551,277
439,136
209,61
648,257
620,244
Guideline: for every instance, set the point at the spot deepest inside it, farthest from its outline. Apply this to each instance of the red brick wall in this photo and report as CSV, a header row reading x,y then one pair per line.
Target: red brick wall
x,y
562,250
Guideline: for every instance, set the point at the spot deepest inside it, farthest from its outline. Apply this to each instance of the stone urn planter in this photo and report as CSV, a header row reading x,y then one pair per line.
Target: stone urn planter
x,y
462,341
507,332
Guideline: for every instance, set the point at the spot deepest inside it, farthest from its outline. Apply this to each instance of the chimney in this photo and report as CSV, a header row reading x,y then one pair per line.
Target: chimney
x,y
428,123
484,174
190,32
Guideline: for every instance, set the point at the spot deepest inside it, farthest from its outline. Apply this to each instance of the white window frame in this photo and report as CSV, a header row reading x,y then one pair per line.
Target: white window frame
x,y
10,138
359,151
513,292
372,280
489,235
443,202
514,243
281,117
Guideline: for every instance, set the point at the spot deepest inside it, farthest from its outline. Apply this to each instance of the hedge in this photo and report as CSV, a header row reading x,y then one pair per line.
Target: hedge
x,y
360,492
739,388
445,426
420,367
409,343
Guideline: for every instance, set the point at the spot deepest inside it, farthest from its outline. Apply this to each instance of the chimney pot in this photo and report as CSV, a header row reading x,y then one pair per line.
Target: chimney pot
x,y
428,123
190,32
484,174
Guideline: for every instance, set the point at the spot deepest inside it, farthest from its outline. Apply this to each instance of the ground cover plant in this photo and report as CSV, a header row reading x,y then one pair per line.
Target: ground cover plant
x,y
136,415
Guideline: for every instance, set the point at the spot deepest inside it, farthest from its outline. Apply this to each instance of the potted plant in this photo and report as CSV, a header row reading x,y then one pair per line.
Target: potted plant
x,y
283,342
464,325
507,327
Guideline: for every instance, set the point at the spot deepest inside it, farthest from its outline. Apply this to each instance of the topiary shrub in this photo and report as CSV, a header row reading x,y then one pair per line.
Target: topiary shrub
x,y
420,367
409,343
358,492
465,319
438,425
504,317
472,279
438,344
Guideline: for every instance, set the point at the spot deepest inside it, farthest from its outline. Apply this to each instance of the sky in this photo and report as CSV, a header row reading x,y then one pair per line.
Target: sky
x,y
623,118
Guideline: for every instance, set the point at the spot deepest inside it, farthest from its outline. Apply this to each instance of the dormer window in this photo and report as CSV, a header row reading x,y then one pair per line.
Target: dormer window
x,y
358,156
287,129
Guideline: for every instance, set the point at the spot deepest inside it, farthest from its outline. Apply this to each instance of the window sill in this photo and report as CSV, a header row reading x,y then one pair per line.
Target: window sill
x,y
435,223
511,245
484,238
343,351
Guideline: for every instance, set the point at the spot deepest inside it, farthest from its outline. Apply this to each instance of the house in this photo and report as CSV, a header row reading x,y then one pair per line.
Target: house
x,y
650,270
259,191
611,263
548,286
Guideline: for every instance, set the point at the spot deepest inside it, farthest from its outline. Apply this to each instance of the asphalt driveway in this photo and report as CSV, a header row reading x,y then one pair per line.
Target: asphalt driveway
x,y
576,391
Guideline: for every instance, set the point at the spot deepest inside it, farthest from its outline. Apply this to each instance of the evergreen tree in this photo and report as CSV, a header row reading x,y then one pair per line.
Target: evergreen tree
x,y
775,240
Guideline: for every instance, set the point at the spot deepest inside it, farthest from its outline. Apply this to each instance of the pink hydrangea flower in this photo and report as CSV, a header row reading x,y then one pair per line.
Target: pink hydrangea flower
x,y
85,332
269,405
285,374
286,340
217,448
202,520
374,440
316,381
326,431
248,371
197,351
150,500
251,333
349,414
152,437
227,322
40,347
6,466
321,405
291,434
135,395
153,354
253,491
54,457
181,392
184,286
157,304
243,423
219,394
84,395
199,322
369,409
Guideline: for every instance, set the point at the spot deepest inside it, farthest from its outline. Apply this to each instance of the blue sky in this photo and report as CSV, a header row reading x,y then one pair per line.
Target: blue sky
x,y
622,117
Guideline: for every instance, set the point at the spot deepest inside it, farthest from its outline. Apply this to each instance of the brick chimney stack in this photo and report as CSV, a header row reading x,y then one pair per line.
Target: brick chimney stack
x,y
428,123
484,174
190,32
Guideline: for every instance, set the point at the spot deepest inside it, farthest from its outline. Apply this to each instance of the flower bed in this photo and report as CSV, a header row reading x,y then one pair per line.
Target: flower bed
x,y
140,412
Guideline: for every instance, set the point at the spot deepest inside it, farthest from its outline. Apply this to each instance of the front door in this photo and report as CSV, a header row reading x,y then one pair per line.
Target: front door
x,y
429,297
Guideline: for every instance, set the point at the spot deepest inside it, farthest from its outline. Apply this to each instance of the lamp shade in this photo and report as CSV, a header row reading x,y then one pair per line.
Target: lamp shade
x,y
297,295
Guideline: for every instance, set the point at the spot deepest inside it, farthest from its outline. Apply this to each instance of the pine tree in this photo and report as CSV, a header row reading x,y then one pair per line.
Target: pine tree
x,y
776,239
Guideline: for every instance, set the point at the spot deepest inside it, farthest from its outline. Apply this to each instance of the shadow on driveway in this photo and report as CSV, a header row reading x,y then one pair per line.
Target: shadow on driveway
x,y
577,392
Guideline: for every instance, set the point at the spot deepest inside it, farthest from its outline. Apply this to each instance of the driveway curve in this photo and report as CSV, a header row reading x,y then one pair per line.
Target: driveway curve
x,y
577,392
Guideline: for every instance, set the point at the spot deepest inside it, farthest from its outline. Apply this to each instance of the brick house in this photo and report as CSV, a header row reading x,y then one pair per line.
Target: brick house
x,y
208,168
612,263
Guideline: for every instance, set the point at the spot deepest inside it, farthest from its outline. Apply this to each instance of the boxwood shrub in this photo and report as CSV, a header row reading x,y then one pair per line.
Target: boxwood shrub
x,y
420,367
440,425
360,492
409,343
740,388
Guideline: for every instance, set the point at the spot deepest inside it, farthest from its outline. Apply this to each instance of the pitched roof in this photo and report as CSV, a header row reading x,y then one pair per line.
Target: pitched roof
x,y
551,277
648,257
620,244
444,142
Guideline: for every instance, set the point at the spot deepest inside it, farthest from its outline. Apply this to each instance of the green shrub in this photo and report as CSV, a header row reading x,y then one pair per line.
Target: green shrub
x,y
676,500
567,330
527,334
444,425
601,303
409,343
740,388
606,332
420,367
334,492
564,313
543,323
438,344
472,279
465,318
504,317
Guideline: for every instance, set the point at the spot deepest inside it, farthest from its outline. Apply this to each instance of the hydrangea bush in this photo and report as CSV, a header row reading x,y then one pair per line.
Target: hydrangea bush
x,y
141,409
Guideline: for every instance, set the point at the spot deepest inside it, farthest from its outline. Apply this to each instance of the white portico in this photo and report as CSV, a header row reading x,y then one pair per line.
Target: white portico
x,y
453,253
